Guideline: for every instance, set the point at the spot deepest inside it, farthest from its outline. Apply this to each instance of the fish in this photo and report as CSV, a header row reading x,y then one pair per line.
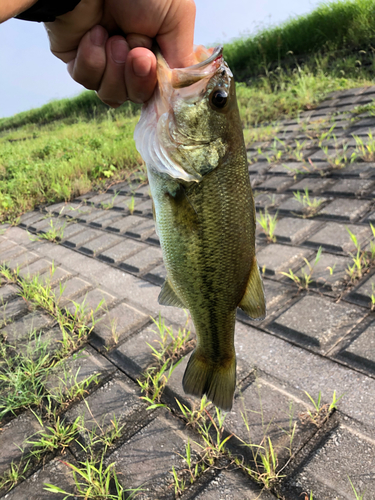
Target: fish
x,y
190,137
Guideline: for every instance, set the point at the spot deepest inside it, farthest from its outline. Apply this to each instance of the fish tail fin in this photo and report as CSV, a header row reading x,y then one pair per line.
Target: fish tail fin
x,y
216,381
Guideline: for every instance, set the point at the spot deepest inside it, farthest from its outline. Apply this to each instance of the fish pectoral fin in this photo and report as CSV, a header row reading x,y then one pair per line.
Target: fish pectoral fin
x,y
253,302
154,216
168,297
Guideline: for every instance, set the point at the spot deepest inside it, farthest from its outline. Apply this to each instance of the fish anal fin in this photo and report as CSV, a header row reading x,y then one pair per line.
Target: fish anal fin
x,y
168,297
217,381
253,302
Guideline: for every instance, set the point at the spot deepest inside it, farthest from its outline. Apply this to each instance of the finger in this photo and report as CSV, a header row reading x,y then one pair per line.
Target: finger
x,y
90,62
135,40
140,74
176,35
112,89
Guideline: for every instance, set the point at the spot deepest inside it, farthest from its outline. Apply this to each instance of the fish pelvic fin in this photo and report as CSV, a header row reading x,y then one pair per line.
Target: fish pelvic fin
x,y
253,302
168,297
216,381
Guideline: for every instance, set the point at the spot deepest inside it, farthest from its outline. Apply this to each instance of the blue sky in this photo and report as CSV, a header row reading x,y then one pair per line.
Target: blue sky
x,y
31,76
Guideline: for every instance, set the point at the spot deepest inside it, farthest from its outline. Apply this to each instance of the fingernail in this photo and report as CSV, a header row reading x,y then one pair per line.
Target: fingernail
x,y
119,51
142,66
98,35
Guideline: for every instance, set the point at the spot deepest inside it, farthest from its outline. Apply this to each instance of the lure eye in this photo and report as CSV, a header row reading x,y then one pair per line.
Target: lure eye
x,y
219,98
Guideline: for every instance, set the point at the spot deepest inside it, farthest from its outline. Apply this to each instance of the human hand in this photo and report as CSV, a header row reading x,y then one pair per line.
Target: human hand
x,y
122,67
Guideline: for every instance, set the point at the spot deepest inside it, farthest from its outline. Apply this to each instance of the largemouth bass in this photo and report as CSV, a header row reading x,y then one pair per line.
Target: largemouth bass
x,y
190,136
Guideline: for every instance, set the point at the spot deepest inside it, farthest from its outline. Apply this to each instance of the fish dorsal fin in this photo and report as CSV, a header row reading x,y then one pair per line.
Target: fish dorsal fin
x,y
253,302
168,297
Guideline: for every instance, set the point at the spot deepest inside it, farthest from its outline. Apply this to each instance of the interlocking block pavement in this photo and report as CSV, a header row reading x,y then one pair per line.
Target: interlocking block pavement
x,y
317,340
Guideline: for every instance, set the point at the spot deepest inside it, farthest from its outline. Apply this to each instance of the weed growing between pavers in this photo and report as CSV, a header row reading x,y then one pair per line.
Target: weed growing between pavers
x,y
362,260
25,366
268,224
211,447
303,282
55,234
168,354
311,205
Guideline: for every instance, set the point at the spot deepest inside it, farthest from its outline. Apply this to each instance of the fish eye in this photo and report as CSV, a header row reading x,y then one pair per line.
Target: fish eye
x,y
219,98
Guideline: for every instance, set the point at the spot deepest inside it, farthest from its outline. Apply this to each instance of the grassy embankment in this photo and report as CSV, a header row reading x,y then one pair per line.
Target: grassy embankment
x,y
68,147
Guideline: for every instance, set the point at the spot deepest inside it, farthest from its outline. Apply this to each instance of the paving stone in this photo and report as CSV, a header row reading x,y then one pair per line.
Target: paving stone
x,y
105,218
119,323
55,472
11,310
144,208
263,408
117,400
6,245
146,460
346,452
335,237
362,293
153,238
56,208
13,436
259,168
125,249
125,224
317,321
100,199
33,345
329,272
277,294
143,230
276,183
362,349
29,218
88,215
342,209
269,200
229,485
301,370
13,252
24,327
98,245
123,203
143,261
135,355
293,206
350,187
22,260
275,258
157,275
82,238
70,289
312,184
54,276
42,225
34,269
76,212
355,170
8,292
96,301
76,368
72,230
295,230
143,190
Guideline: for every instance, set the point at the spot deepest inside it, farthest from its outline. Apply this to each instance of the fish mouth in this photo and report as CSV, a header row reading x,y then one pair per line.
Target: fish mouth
x,y
208,61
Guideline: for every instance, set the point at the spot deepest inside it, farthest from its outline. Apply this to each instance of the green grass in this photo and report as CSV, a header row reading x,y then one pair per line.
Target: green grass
x,y
343,25
86,106
60,161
